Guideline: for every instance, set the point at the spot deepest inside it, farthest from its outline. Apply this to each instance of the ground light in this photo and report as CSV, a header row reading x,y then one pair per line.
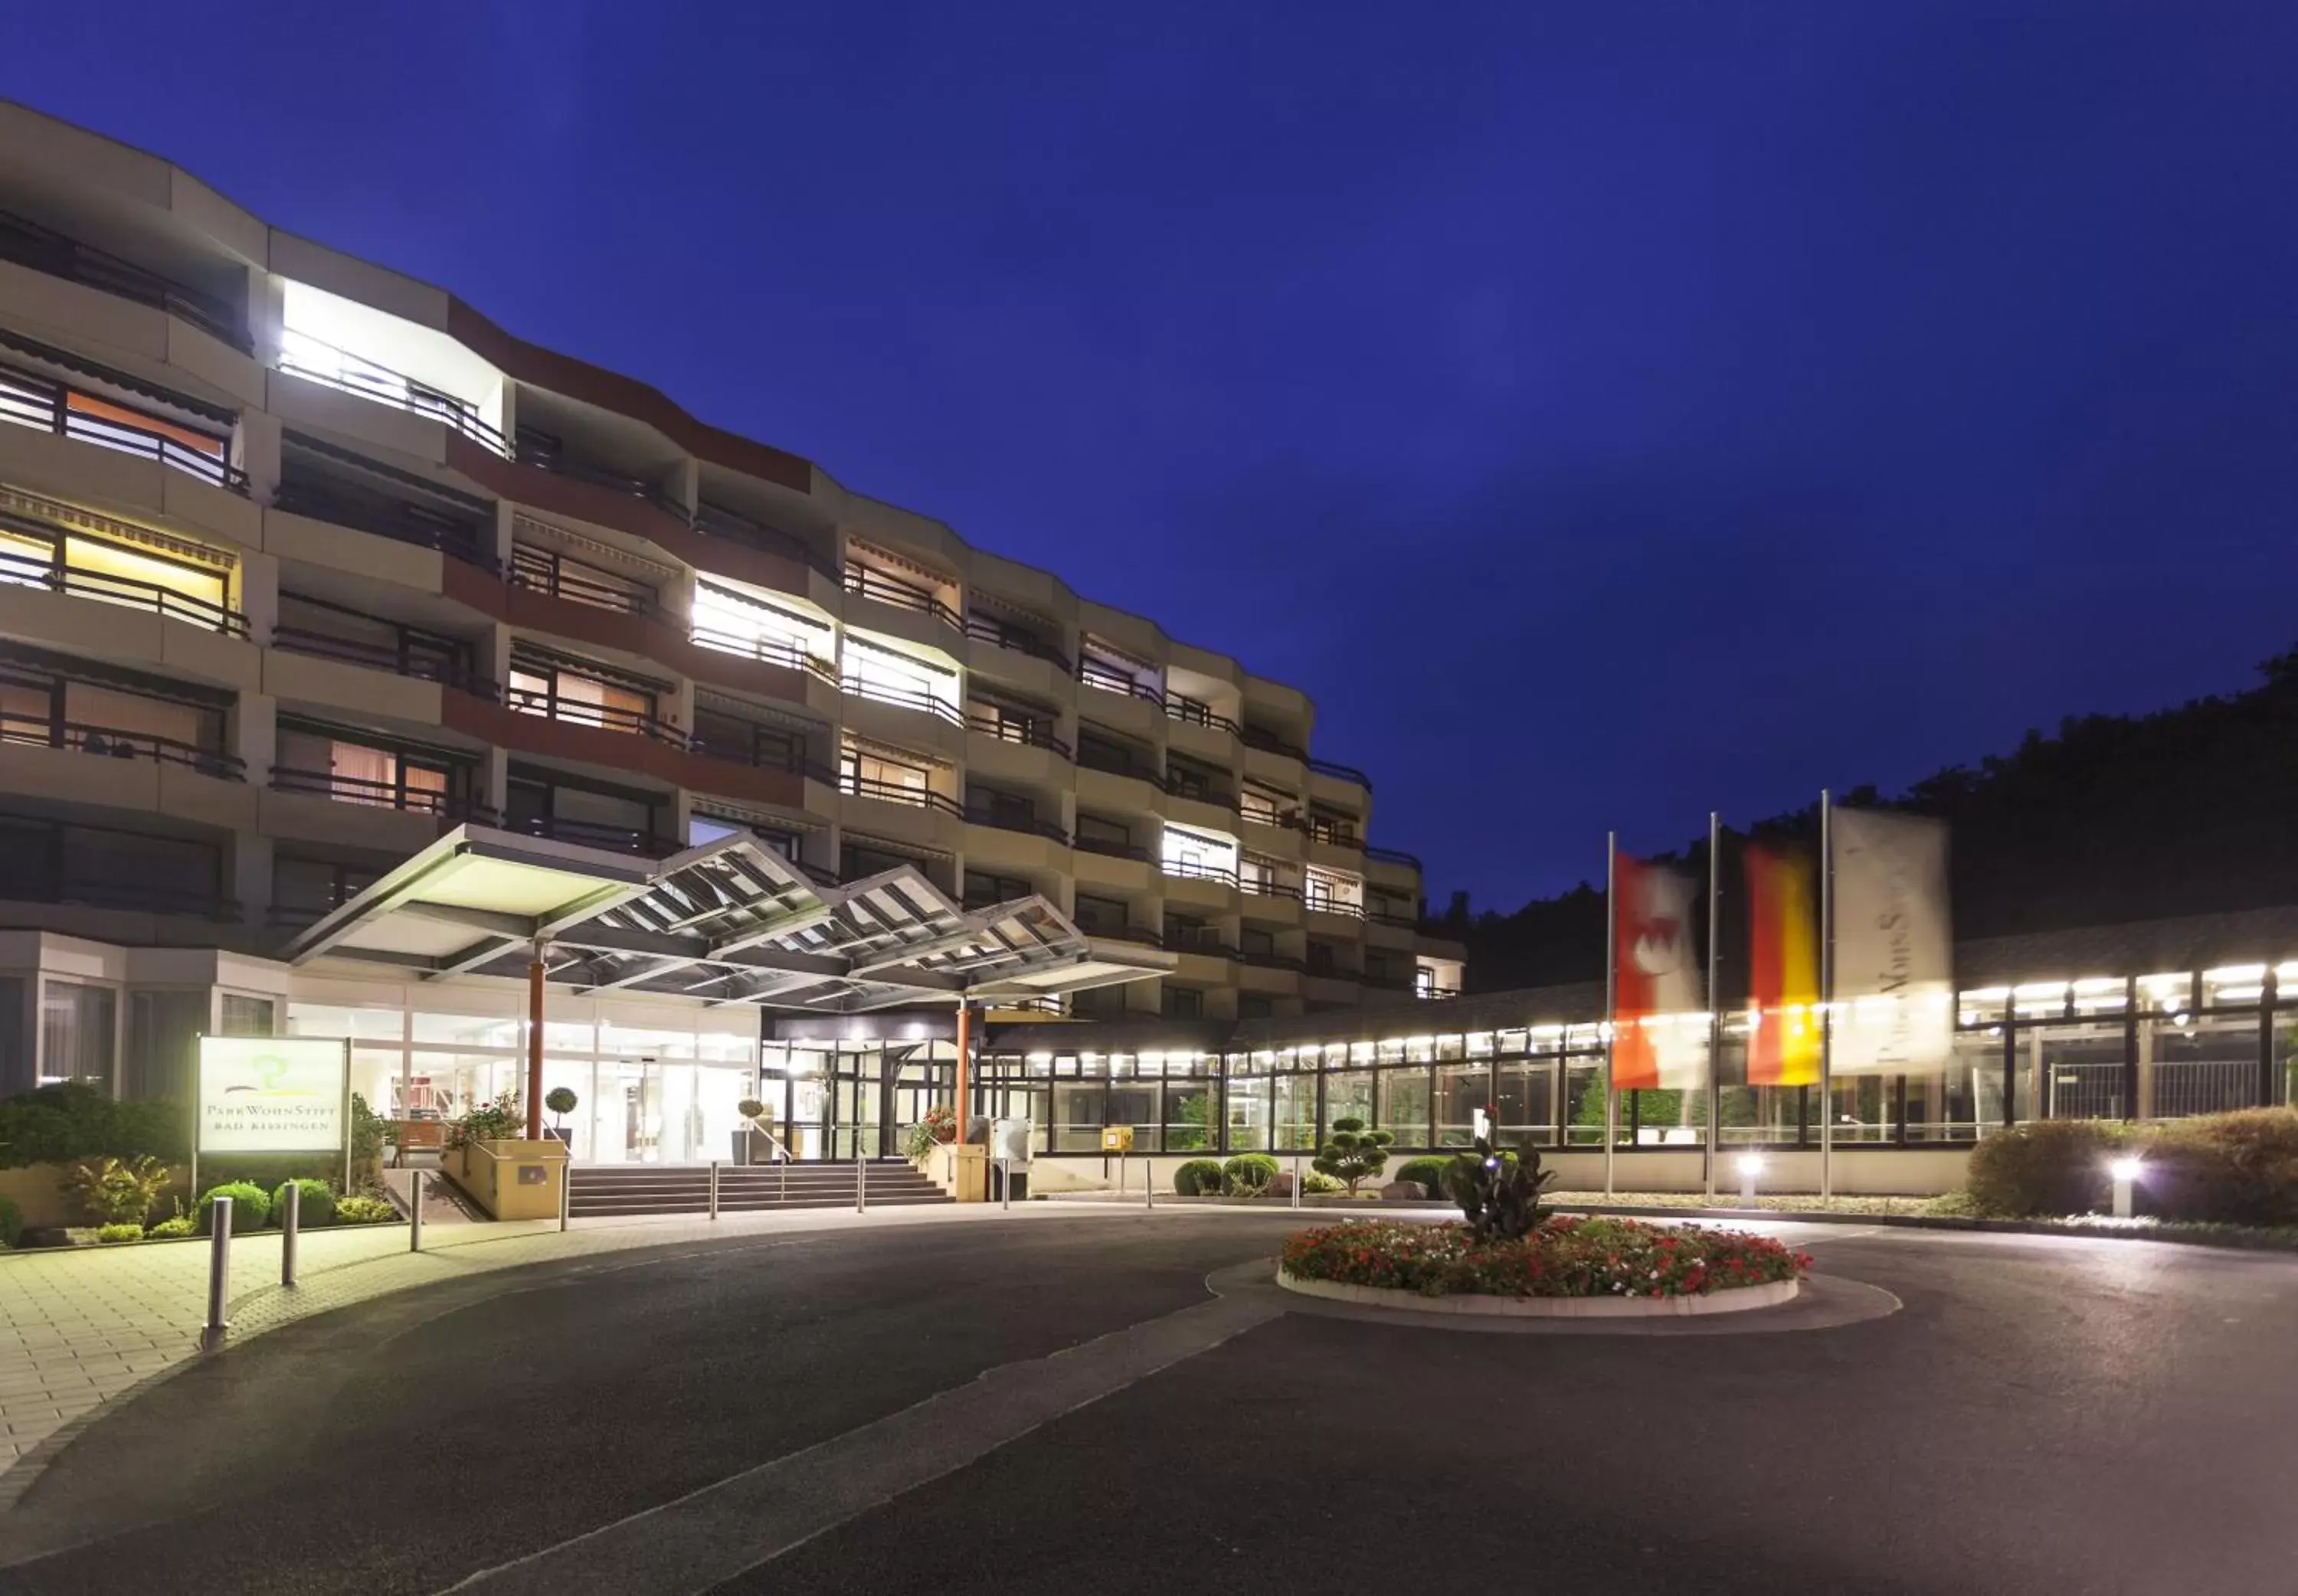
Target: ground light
x,y
1751,1164
2125,1171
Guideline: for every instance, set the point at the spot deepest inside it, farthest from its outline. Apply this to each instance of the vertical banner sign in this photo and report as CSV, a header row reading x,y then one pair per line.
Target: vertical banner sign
x,y
1894,999
1659,1025
1782,969
274,1095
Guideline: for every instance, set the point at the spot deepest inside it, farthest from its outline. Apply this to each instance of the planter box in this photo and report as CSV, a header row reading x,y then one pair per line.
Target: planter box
x,y
511,1179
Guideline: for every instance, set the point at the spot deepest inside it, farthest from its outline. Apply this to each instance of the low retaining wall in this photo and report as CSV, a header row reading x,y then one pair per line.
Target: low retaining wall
x,y
37,1190
1739,1299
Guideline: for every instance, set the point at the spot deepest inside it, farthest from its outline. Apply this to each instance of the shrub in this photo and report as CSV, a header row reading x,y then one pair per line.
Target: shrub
x,y
1563,1257
366,1140
1351,1154
1429,1172
1499,1193
365,1210
183,1224
2048,1167
12,1223
118,1192
499,1120
251,1208
1199,1177
1316,1183
71,1119
106,1233
2231,1169
317,1206
1248,1174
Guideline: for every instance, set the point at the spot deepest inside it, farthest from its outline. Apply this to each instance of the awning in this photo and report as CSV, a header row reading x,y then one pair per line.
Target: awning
x,y
731,922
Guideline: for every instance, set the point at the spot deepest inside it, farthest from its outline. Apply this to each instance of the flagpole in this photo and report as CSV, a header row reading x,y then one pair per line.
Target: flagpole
x,y
1826,997
1611,996
1714,990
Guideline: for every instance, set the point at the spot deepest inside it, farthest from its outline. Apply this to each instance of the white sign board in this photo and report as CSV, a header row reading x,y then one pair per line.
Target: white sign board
x,y
274,1095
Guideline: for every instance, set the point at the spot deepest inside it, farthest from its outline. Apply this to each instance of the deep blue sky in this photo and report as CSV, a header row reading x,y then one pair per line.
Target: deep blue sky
x,y
1606,412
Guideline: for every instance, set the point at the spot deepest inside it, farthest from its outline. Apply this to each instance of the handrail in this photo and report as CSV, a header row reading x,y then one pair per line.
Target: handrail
x,y
54,254
894,792
43,404
766,651
1197,789
1346,772
1383,917
1114,850
381,794
1391,856
550,706
1266,887
1096,675
984,629
752,1122
399,661
1325,904
1125,933
40,731
1034,734
1334,833
411,524
1190,870
1269,742
716,520
1182,708
1115,765
906,698
983,815
792,759
628,840
538,571
869,582
545,454
371,380
133,591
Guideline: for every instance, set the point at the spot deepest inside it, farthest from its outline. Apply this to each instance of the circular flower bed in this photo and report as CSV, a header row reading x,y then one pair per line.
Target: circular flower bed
x,y
1564,1257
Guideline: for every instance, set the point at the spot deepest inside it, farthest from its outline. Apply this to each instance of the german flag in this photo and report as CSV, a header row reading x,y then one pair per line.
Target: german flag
x,y
1783,970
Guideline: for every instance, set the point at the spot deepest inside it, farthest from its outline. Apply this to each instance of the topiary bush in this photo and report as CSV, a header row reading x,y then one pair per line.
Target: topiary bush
x,y
318,1206
12,1224
1248,1174
365,1210
1316,1183
1429,1172
1352,1154
2048,1167
251,1207
1199,1177
122,1232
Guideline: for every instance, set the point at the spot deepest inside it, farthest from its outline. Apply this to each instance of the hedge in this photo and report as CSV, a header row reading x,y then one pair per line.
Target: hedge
x,y
251,1207
12,1223
2230,1169
316,1207
1248,1174
1199,1177
1428,1172
71,1121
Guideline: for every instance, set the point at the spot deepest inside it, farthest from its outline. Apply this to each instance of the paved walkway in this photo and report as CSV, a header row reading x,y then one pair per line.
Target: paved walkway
x,y
80,1327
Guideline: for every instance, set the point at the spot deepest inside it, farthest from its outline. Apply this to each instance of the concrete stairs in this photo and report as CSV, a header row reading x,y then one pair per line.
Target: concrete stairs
x,y
600,1189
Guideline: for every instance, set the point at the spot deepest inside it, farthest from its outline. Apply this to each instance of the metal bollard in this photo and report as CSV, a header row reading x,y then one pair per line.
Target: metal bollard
x,y
1149,1183
415,1216
861,1184
218,1273
565,1191
289,1223
713,1190
1296,1180
1006,1182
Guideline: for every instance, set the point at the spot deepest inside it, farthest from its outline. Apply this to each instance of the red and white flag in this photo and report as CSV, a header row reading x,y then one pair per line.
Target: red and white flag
x,y
1659,1025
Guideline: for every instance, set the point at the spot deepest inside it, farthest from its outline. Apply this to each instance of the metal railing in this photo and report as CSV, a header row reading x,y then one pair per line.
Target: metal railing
x,y
767,650
1008,819
1195,787
1346,772
380,795
895,792
28,399
1110,848
1139,934
716,521
1335,833
628,840
905,697
545,453
982,629
131,592
1269,742
1325,902
1115,762
348,372
1029,733
538,571
869,582
607,717
399,661
1271,959
1192,712
792,760
116,742
1196,870
1096,675
42,250
1260,886
401,520
1391,856
1389,917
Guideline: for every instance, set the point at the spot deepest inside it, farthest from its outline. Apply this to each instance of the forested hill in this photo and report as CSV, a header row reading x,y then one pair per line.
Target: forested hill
x,y
2192,810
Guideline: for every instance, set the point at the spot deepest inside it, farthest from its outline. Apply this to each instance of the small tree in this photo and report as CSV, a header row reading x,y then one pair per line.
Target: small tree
x,y
560,1101
1499,1193
116,1191
1352,1153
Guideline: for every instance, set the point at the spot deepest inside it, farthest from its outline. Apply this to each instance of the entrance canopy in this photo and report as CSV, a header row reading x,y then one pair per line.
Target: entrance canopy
x,y
730,922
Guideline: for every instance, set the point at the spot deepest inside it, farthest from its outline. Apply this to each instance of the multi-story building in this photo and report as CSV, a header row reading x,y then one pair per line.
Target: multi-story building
x,y
303,563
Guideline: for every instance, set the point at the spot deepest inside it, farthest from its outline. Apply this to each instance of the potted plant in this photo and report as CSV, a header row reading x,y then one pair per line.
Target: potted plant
x,y
561,1101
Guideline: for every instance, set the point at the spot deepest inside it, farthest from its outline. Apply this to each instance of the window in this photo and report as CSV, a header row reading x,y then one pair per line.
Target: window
x,y
1182,1002
1265,805
1201,855
548,571
892,677
1098,1003
549,806
723,736
319,759
76,1032
1256,942
871,773
306,889
739,623
1333,892
1093,830
1251,1006
162,1044
1100,914
242,1015
382,357
982,889
567,690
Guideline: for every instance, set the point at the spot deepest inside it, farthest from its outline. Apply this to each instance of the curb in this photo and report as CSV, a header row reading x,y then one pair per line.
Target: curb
x,y
2103,1229
1740,1299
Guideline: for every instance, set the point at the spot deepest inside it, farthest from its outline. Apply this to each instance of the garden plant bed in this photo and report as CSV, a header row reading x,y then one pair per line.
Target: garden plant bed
x,y
1567,1267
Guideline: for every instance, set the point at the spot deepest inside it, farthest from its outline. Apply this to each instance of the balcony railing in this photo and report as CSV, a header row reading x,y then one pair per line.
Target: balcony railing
x,y
42,250
1008,820
1139,934
1097,676
131,592
40,731
786,652
907,698
381,794
590,834
1194,714
1197,870
1269,742
1346,772
982,629
27,398
1390,917
870,583
897,792
758,756
716,521
1032,734
1269,959
1325,902
545,453
1204,939
536,571
1261,886
1115,762
1196,787
579,712
401,520
1335,833
314,361
1110,847
400,660
1391,856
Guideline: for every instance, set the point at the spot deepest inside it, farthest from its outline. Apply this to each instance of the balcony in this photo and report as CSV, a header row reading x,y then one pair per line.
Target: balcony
x,y
543,571
1392,856
1325,903
898,792
923,699
985,630
1027,733
1204,941
117,743
785,652
1190,712
1344,772
1331,831
1266,886
1199,786
546,704
546,453
1140,935
418,655
1006,818
39,248
1269,742
716,521
868,582
728,748
1106,679
130,592
1094,754
1198,870
317,361
627,839
43,404
1110,848
382,795
386,516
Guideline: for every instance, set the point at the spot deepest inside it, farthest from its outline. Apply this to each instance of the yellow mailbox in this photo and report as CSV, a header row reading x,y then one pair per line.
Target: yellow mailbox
x,y
1117,1138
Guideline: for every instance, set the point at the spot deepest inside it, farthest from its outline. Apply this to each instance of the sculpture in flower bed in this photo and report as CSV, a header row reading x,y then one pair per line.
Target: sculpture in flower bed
x,y
1352,1154
1499,1192
1562,1256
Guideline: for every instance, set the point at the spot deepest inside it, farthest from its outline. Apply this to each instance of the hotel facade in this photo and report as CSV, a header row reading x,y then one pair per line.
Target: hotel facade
x,y
306,566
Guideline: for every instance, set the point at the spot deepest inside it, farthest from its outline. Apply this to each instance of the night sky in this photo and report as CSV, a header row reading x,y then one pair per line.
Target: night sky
x,y
1604,416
